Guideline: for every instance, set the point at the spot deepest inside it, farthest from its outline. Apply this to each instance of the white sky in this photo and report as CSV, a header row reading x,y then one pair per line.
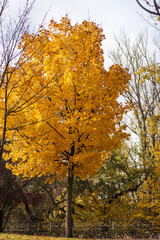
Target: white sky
x,y
113,15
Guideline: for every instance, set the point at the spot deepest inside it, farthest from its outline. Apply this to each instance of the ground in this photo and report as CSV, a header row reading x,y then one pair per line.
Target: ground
x,y
6,236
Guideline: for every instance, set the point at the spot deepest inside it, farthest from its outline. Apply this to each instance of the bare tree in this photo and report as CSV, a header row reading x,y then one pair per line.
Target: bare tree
x,y
143,97
11,32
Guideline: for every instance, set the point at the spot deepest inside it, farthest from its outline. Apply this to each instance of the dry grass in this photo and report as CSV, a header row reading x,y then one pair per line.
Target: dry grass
x,y
5,236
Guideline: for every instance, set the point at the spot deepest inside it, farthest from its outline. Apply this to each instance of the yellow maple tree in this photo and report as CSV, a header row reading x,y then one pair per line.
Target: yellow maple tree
x,y
68,115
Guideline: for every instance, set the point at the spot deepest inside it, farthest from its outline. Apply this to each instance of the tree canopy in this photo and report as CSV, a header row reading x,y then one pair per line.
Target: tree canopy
x,y
78,112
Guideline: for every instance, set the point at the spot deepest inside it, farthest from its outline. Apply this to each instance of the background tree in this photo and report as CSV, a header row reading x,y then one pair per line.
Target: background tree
x,y
10,36
117,180
11,31
79,112
148,195
16,193
143,94
143,97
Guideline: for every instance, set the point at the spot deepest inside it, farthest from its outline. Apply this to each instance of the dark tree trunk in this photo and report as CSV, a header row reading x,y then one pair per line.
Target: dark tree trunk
x,y
69,221
1,221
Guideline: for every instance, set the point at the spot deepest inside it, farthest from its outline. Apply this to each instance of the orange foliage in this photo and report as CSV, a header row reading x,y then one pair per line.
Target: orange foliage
x,y
65,108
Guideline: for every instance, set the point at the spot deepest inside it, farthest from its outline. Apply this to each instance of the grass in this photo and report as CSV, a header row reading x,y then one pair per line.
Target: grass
x,y
6,236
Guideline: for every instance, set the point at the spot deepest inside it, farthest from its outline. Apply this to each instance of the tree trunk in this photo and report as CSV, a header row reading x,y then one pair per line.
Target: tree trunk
x,y
1,221
69,206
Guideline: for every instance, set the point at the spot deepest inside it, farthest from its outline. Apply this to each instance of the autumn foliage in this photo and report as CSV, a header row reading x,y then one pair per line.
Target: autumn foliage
x,y
72,113
63,113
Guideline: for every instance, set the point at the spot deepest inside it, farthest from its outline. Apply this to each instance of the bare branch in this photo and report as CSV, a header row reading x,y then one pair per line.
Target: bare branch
x,y
149,6
3,6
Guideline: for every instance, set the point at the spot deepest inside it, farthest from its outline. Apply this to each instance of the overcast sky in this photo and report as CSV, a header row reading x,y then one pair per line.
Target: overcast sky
x,y
113,15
